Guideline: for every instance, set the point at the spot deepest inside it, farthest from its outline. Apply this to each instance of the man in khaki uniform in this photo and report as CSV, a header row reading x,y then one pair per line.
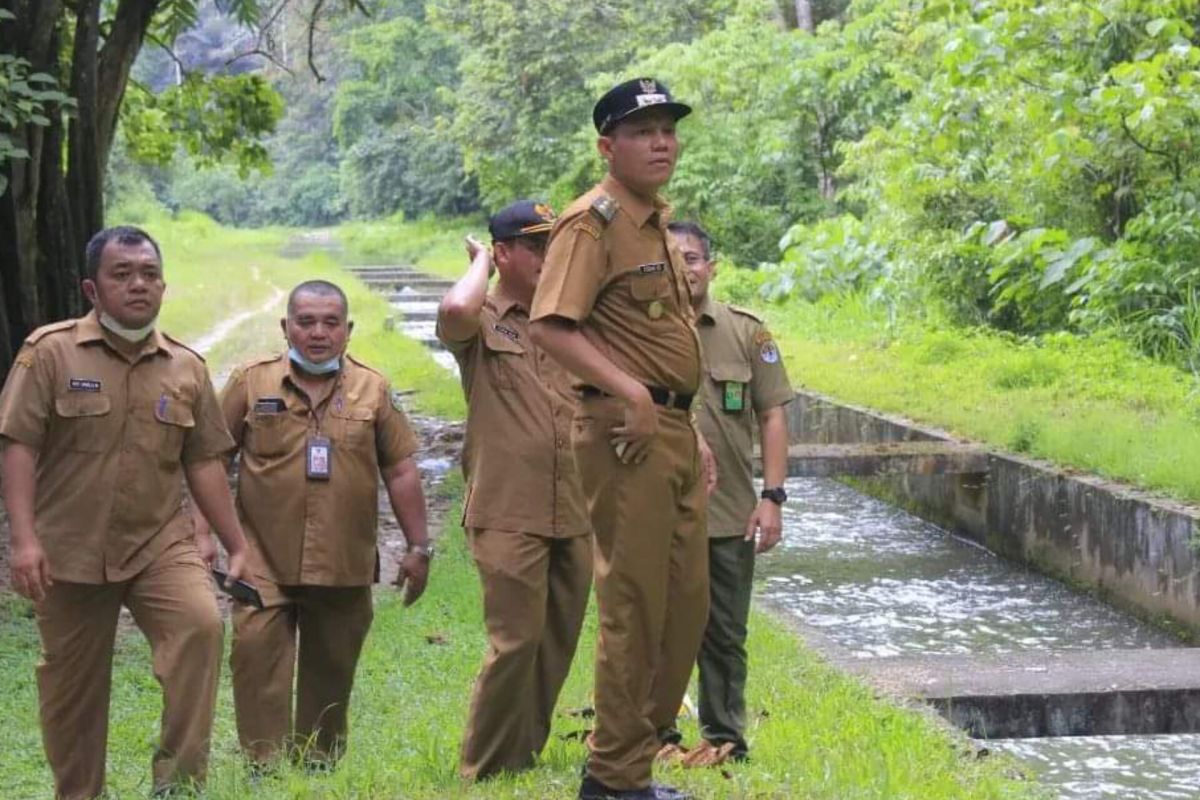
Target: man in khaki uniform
x,y
525,517
315,429
102,419
745,383
612,305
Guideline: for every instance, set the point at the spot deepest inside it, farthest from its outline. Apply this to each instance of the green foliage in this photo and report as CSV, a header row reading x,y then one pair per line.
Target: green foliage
x,y
26,98
525,77
391,119
214,118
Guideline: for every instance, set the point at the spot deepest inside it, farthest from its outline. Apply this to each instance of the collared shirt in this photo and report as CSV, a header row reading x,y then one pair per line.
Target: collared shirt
x,y
112,432
744,368
624,283
304,531
517,456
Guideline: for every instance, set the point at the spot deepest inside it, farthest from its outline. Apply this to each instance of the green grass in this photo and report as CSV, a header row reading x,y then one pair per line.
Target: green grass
x,y
433,245
815,734
1089,403
214,272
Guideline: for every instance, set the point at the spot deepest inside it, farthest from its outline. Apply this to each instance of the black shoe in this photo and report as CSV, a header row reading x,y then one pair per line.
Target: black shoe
x,y
669,793
592,789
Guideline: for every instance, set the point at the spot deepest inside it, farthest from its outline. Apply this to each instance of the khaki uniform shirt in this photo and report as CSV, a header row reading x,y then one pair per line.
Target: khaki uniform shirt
x,y
306,531
112,433
624,283
517,455
743,369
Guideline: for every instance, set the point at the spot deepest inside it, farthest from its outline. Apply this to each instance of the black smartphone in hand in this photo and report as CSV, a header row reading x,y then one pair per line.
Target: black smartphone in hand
x,y
240,590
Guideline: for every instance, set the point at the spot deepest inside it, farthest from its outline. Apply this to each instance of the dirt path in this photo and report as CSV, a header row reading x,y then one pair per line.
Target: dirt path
x,y
222,329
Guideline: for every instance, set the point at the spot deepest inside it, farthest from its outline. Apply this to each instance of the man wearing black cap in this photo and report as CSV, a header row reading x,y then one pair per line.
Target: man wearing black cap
x,y
525,517
613,306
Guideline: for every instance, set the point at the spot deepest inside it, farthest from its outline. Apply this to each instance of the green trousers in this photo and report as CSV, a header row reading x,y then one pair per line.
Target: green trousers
x,y
722,658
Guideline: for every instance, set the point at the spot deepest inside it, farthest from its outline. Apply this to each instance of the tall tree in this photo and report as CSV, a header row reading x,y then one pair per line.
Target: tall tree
x,y
54,154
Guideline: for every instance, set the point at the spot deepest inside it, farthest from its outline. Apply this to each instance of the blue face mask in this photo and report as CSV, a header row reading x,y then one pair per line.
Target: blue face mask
x,y
312,367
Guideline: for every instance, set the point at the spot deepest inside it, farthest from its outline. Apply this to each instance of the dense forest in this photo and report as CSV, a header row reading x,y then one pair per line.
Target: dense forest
x,y
1027,167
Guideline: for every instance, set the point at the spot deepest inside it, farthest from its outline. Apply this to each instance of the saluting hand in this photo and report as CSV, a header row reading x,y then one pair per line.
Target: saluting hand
x,y
30,569
412,576
632,440
767,522
477,249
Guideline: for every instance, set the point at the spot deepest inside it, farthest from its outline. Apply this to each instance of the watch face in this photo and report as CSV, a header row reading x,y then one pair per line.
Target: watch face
x,y
776,495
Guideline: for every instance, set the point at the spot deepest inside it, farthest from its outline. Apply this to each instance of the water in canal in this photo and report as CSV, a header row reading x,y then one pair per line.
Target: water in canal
x,y
879,582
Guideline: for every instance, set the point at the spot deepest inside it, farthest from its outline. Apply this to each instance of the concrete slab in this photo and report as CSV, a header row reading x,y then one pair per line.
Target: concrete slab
x,y
1065,693
885,458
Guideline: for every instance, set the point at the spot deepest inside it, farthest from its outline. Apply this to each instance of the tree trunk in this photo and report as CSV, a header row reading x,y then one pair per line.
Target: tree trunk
x,y
804,15
51,209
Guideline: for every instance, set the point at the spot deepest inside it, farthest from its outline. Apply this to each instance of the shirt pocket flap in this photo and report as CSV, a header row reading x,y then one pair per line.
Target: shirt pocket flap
x,y
649,287
730,372
83,405
175,414
499,342
356,413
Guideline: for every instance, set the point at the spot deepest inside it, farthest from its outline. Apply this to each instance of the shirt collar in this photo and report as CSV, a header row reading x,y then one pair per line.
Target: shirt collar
x,y
89,330
638,209
707,310
503,302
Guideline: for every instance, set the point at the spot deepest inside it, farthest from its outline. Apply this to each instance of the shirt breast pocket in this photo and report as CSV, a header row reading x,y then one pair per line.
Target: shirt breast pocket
x,y
503,358
650,287
353,425
175,420
732,384
266,434
86,421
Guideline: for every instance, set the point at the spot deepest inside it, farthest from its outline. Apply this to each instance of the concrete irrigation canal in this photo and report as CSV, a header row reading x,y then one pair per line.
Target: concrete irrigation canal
x,y
975,614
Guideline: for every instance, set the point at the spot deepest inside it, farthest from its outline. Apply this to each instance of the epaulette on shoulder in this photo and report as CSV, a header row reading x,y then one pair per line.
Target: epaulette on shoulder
x,y
54,327
178,343
745,312
367,367
260,360
604,208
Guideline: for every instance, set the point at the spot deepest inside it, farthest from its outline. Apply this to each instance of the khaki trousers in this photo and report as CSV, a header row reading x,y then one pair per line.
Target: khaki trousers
x,y
332,623
535,593
173,604
651,568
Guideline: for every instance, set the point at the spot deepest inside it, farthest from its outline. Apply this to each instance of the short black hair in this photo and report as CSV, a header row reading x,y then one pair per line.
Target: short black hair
x,y
689,228
320,289
121,234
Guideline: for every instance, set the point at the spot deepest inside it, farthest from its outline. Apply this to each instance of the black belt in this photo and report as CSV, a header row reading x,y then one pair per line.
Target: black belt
x,y
660,396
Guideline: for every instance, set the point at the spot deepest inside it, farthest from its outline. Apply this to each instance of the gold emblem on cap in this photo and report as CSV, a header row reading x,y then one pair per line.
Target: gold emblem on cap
x,y
649,86
655,309
543,211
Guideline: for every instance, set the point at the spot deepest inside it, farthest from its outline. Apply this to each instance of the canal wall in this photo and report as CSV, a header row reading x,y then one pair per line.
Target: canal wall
x,y
1131,548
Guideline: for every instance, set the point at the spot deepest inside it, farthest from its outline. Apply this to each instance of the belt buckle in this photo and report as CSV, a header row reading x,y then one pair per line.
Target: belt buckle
x,y
671,398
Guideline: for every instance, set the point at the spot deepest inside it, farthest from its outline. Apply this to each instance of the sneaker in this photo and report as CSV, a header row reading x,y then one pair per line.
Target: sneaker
x,y
592,789
662,792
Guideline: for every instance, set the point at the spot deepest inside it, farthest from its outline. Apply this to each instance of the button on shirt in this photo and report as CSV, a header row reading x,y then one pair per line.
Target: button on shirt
x,y
112,433
517,456
739,351
624,283
304,531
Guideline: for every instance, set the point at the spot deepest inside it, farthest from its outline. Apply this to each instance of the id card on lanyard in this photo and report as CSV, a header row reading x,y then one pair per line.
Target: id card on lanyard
x,y
318,458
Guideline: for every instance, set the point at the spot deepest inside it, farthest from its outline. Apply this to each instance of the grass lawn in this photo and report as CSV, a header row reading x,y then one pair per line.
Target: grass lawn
x,y
814,733
1089,403
433,245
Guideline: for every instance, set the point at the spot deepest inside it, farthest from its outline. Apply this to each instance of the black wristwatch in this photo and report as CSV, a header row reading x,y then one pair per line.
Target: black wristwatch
x,y
777,495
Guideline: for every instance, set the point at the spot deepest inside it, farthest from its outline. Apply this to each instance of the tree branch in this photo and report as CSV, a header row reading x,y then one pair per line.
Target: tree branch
x,y
1171,157
312,29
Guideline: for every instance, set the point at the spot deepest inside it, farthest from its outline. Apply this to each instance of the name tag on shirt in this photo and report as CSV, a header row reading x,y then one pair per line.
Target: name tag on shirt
x,y
318,458
269,405
83,385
